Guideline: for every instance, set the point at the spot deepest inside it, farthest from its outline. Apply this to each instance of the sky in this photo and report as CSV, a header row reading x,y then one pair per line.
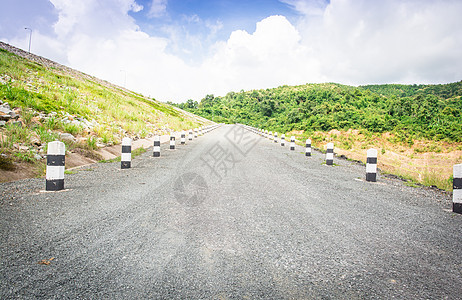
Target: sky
x,y
175,50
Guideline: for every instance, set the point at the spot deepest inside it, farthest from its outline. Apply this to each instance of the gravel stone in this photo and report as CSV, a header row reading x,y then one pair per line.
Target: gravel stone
x,y
266,223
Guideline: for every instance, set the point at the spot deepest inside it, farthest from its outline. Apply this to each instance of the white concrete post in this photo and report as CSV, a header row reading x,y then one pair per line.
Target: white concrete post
x,y
156,149
283,140
183,138
457,189
172,141
195,132
292,143
371,165
126,157
275,137
55,166
308,147
330,154
190,136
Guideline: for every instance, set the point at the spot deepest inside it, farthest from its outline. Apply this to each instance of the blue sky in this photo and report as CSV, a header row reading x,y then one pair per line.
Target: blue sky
x,y
176,50
195,17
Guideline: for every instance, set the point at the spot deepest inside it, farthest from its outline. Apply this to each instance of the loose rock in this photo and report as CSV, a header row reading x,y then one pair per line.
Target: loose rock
x,y
66,137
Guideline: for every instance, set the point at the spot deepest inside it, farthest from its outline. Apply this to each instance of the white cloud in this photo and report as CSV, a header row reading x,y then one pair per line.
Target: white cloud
x,y
158,8
271,56
307,7
361,42
350,42
135,7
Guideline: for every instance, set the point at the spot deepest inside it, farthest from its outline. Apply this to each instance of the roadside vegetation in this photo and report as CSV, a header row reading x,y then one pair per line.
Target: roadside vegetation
x,y
42,103
416,128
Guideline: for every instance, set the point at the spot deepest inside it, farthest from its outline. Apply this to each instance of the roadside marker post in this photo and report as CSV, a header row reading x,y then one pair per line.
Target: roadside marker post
x,y
283,140
156,149
330,154
292,143
55,166
195,133
457,189
190,136
270,135
275,137
172,141
308,147
126,157
371,165
183,138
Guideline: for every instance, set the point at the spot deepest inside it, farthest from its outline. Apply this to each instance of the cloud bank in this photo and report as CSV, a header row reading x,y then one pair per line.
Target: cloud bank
x,y
346,41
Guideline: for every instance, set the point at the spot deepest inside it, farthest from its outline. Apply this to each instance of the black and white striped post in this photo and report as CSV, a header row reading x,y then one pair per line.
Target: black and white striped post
x,y
126,157
156,148
457,189
308,147
292,143
195,133
270,135
55,166
172,141
371,165
190,136
200,131
275,137
283,140
330,154
183,138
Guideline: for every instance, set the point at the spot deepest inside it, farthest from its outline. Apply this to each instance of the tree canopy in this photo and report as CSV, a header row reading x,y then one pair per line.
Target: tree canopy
x,y
424,111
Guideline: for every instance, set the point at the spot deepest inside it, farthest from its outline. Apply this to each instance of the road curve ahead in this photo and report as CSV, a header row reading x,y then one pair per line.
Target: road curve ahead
x,y
230,215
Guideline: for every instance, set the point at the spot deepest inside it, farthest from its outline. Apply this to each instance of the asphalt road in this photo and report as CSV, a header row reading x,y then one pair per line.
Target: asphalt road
x,y
229,215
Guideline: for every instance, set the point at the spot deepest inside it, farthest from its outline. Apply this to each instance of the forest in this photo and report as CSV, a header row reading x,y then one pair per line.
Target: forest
x,y
432,112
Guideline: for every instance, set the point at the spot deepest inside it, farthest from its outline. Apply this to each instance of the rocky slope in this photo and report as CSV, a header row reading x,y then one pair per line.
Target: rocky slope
x,y
42,101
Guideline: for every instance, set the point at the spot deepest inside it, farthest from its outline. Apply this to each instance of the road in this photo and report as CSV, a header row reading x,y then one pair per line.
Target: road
x,y
230,215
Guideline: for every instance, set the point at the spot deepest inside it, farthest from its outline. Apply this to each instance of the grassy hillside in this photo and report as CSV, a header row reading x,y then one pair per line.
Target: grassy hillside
x,y
408,120
52,102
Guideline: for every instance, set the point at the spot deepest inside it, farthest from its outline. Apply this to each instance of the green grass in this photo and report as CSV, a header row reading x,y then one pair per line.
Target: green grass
x,y
105,161
135,153
333,164
37,89
138,151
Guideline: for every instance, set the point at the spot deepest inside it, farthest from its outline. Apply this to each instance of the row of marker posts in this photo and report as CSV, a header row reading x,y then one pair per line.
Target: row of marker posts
x,y
371,164
56,156
56,161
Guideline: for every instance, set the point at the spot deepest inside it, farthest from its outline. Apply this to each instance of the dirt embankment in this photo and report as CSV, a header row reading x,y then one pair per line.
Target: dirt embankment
x,y
74,159
425,162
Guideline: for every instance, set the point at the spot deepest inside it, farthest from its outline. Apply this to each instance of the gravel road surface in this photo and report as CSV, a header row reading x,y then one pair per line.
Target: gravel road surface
x,y
230,215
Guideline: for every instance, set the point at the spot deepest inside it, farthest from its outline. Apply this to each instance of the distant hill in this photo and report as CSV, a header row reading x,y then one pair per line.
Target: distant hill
x,y
417,129
414,111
